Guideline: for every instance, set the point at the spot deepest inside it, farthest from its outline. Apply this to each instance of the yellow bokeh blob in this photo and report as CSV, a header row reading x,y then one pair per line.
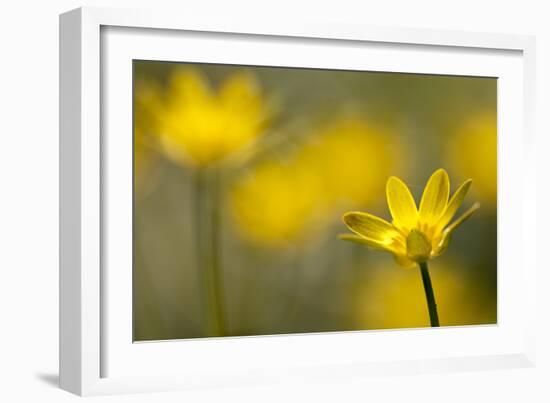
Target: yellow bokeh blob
x,y
287,203
353,159
275,205
389,297
472,153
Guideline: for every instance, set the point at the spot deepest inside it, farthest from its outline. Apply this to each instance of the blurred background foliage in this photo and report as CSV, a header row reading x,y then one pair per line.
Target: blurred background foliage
x,y
292,149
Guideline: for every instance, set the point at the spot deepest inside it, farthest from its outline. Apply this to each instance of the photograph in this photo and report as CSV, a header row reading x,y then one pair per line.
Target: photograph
x,y
286,200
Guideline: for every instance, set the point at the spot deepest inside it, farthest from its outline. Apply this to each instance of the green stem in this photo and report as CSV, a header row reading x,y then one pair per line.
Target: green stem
x,y
198,204
207,230
215,233
430,298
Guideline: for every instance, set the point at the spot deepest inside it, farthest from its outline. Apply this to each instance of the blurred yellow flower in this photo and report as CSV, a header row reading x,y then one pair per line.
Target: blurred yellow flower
x,y
276,205
387,299
146,103
415,235
350,157
472,152
328,171
199,126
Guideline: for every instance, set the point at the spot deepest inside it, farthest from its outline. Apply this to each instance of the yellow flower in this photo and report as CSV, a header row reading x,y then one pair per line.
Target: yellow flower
x,y
199,126
415,235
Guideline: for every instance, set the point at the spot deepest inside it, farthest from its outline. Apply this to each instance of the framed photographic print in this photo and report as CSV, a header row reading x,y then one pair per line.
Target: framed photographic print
x,y
244,202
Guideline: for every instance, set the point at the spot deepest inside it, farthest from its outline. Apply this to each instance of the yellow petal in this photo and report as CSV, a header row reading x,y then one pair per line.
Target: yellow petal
x,y
441,243
366,241
463,217
241,91
434,200
188,86
401,204
397,250
446,237
373,227
454,204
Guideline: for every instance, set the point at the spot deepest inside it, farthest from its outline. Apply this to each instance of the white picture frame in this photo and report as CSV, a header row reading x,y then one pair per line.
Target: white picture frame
x,y
96,355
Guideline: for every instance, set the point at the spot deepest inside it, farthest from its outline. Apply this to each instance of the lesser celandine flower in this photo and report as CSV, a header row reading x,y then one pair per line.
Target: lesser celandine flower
x,y
199,126
415,235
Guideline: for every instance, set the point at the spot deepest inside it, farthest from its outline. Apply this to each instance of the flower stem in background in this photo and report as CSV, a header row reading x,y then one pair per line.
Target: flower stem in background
x,y
215,262
430,298
207,229
198,204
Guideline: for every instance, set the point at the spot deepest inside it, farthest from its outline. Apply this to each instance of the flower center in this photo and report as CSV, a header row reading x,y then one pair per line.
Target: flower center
x,y
419,246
